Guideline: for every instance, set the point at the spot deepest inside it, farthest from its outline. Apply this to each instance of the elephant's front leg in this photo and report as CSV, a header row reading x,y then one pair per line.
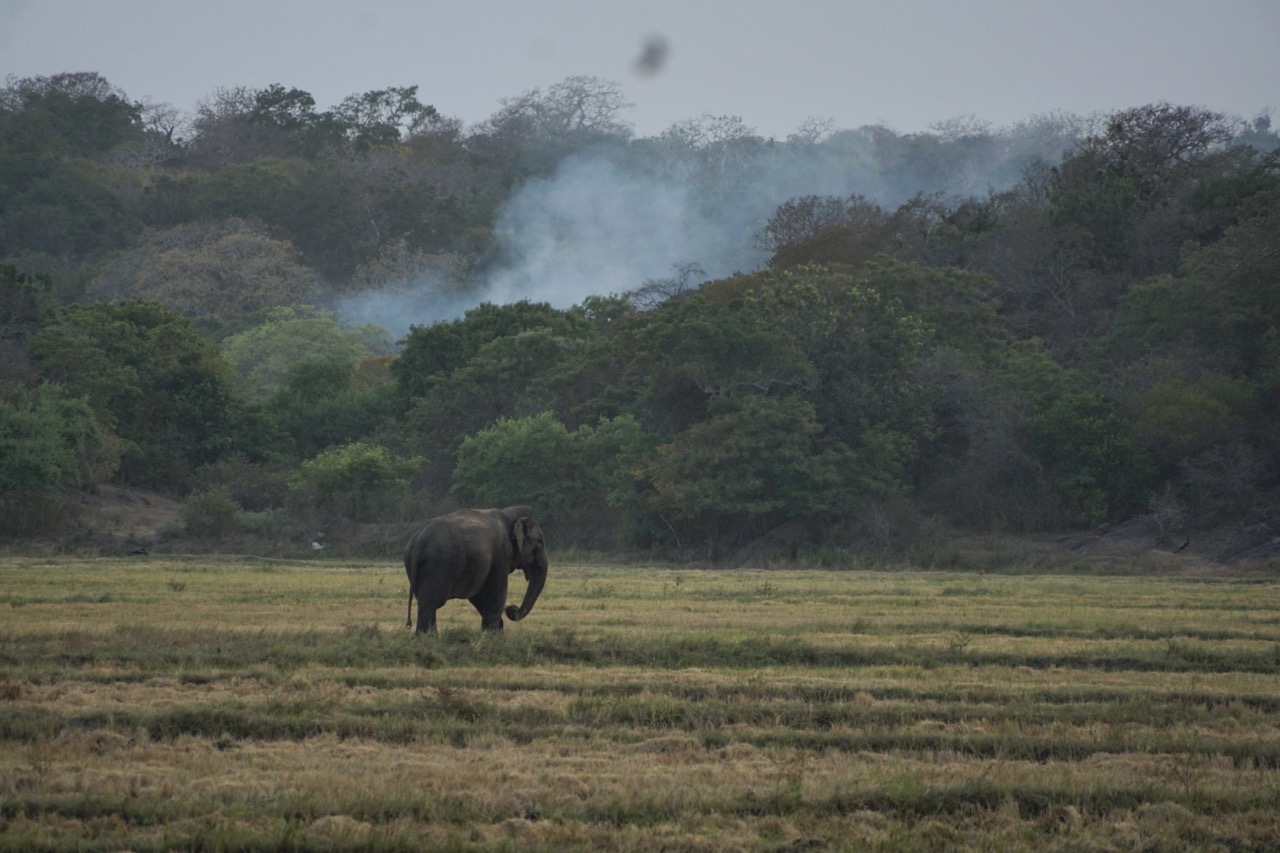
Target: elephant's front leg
x,y
490,612
490,600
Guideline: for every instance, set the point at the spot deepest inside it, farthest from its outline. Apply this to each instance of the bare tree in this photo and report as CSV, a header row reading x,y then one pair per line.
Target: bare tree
x,y
655,291
813,130
1157,147
575,107
824,229
165,121
224,131
801,219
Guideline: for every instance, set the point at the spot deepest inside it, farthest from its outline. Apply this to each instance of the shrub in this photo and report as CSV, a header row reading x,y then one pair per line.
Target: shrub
x,y
212,512
569,477
355,482
48,442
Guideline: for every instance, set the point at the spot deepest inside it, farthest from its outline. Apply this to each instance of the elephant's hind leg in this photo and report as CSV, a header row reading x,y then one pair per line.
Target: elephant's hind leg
x,y
427,607
426,621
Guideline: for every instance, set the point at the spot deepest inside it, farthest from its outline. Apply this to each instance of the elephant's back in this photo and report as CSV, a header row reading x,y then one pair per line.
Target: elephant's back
x,y
456,551
440,537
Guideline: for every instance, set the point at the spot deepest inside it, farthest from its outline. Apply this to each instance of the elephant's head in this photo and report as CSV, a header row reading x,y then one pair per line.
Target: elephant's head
x,y
530,556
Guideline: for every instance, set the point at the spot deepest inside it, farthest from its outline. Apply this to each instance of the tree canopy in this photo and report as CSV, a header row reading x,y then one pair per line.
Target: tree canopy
x,y
1040,327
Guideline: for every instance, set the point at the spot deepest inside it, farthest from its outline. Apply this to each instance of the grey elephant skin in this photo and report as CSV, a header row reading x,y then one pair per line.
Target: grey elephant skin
x,y
470,554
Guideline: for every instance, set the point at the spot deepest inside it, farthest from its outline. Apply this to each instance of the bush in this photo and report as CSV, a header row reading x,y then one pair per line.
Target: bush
x,y
212,512
1090,457
48,443
572,479
256,487
354,482
523,461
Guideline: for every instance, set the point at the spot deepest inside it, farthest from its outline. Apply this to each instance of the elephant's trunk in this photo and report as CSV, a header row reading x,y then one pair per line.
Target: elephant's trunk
x,y
537,577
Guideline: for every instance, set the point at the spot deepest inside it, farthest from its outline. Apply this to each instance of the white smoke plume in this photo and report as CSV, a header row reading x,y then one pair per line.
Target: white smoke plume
x,y
609,221
593,229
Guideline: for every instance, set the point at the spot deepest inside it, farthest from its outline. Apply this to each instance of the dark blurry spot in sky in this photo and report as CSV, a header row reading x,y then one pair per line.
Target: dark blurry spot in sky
x,y
653,56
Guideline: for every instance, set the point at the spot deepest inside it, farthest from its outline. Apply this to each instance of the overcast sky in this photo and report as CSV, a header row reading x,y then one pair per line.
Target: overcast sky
x,y
903,63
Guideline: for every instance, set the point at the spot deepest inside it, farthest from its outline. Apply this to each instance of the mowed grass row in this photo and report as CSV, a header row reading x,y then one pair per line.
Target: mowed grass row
x,y
238,705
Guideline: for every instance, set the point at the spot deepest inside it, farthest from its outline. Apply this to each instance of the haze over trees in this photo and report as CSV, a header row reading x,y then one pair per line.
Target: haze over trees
x,y
299,318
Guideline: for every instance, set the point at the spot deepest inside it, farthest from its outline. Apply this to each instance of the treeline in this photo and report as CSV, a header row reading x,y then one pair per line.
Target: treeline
x,y
1096,337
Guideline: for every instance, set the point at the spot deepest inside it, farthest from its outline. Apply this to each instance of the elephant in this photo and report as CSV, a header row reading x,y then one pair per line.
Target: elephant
x,y
469,554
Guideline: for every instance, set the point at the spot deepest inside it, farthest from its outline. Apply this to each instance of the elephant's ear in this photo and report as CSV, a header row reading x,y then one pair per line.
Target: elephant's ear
x,y
519,532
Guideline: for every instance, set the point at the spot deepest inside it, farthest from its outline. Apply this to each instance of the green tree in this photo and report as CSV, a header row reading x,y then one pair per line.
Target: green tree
x,y
826,230
63,209
1088,456
315,205
1223,300
529,460
674,360
1120,186
324,402
620,452
212,511
429,354
287,109
757,460
354,482
77,114
865,348
262,356
1179,416
48,442
150,378
1205,344
383,117
25,303
580,480
510,377
240,125
57,199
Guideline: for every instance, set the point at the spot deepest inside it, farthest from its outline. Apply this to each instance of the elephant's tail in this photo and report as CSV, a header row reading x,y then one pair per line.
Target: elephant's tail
x,y
408,620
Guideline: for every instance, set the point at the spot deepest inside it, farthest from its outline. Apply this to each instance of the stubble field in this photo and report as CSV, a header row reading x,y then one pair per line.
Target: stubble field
x,y
225,705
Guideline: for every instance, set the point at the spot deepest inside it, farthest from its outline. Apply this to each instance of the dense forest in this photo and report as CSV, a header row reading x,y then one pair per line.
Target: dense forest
x,y
300,320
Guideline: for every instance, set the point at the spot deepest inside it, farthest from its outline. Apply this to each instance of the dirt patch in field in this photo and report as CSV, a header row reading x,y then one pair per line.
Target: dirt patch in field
x,y
1132,537
123,513
1253,541
1258,541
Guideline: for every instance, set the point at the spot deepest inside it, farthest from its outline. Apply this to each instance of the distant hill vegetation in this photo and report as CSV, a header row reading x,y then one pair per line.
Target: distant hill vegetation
x,y
297,319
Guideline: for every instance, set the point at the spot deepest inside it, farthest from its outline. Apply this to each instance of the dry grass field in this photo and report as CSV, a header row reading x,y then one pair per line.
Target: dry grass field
x,y
207,704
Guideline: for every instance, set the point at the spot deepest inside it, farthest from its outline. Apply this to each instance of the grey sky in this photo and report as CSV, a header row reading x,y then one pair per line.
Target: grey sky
x,y
905,63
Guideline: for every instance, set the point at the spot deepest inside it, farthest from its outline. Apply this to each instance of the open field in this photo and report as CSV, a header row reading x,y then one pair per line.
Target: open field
x,y
223,705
